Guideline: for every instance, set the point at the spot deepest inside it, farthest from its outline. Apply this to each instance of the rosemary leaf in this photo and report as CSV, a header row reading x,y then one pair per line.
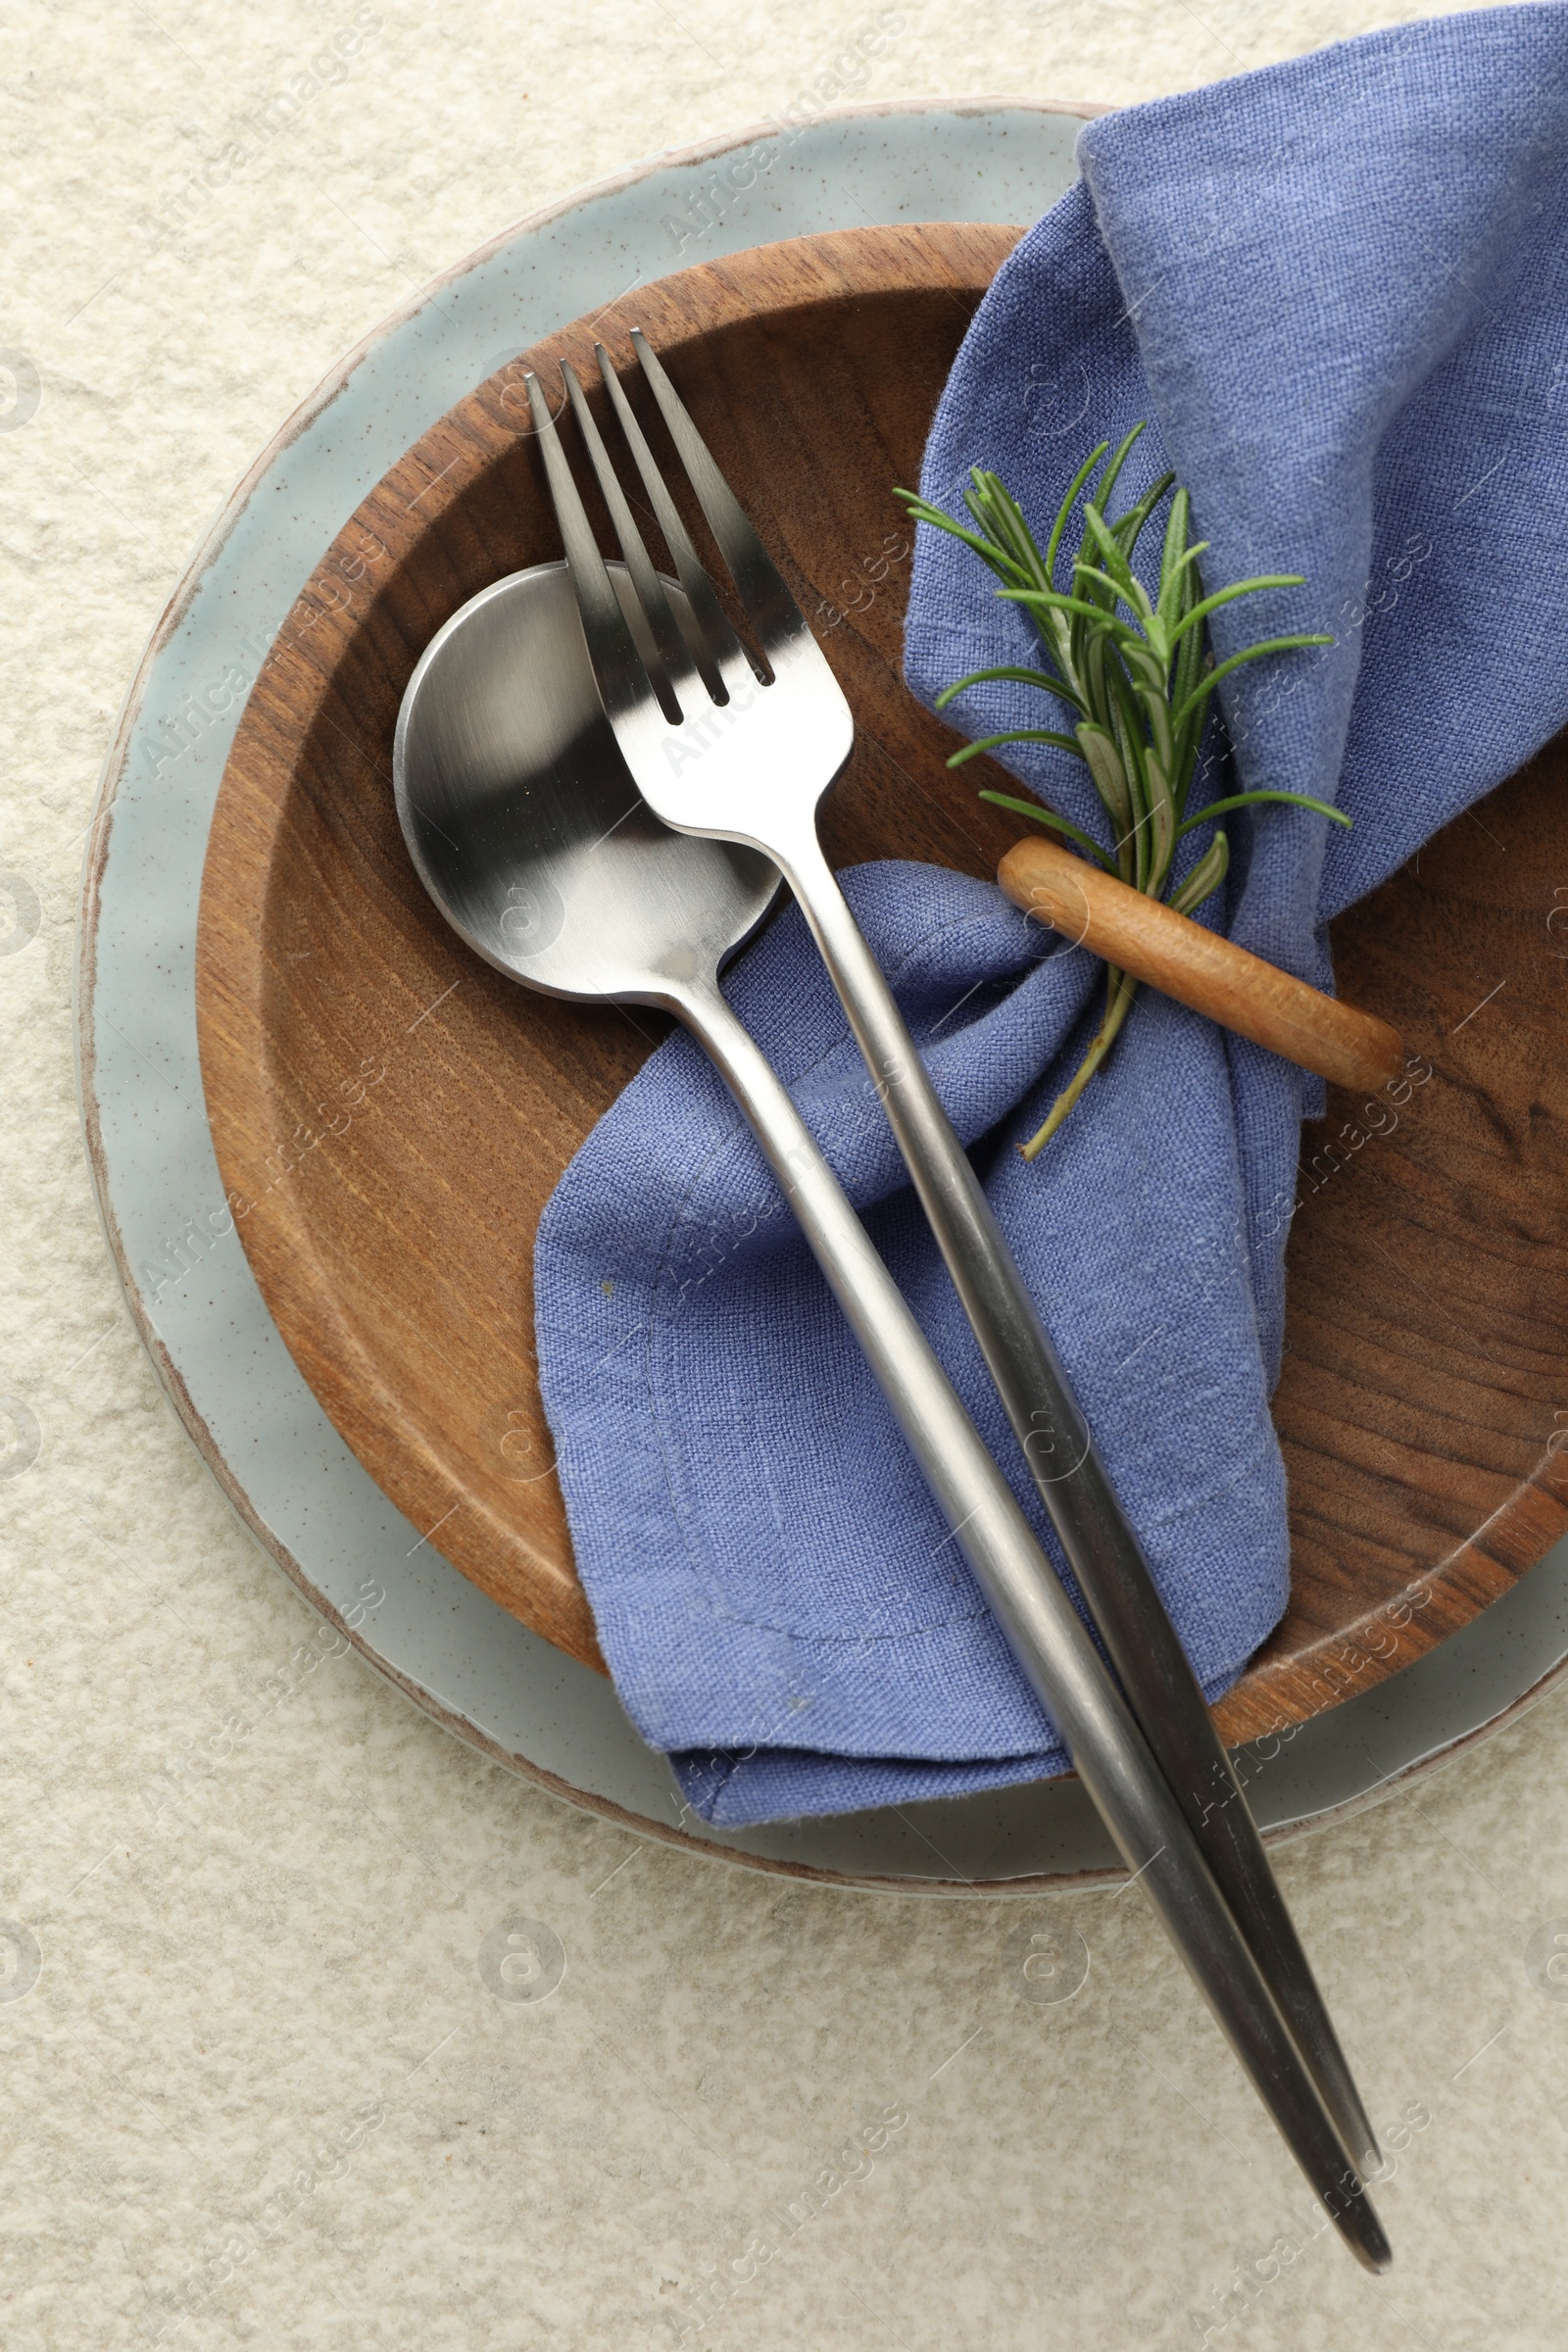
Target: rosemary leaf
x,y
1136,671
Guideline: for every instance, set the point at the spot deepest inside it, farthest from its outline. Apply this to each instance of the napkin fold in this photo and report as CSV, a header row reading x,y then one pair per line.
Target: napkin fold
x,y
1339,291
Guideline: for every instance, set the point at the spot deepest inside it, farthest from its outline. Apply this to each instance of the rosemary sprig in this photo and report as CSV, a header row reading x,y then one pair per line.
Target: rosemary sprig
x,y
1135,674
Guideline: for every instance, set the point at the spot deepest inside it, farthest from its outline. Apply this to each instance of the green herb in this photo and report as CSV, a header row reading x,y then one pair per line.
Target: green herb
x,y
1136,675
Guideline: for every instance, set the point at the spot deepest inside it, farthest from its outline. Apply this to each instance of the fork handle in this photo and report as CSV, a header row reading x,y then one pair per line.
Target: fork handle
x,y
1044,1632
1101,1546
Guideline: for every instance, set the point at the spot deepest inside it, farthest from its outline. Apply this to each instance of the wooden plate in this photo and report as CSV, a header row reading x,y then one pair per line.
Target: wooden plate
x,y
390,1115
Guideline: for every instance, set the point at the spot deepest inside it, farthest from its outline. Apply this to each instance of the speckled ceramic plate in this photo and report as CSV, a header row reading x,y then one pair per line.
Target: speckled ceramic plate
x,y
287,1473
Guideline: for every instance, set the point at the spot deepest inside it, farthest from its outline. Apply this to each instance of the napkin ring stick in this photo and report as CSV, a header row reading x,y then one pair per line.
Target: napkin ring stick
x,y
1200,968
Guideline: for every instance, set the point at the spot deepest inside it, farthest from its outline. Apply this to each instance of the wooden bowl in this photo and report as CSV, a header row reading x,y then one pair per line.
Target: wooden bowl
x,y
390,1115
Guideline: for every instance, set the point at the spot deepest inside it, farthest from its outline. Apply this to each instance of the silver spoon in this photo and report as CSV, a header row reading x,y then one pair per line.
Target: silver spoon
x,y
525,827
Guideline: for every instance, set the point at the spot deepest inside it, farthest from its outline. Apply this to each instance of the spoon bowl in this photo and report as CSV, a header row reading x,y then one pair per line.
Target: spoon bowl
x,y
523,822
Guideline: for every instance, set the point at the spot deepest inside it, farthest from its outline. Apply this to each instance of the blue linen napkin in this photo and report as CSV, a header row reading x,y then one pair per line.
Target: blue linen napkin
x,y
1339,290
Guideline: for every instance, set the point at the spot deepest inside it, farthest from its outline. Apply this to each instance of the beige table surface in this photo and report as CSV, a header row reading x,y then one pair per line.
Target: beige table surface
x,y
292,1959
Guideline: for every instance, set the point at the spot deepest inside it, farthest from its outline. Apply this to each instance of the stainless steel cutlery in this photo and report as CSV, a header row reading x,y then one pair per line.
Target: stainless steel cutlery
x,y
733,745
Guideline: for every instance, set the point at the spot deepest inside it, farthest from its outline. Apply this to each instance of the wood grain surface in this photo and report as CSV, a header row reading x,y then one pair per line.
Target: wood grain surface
x,y
390,1115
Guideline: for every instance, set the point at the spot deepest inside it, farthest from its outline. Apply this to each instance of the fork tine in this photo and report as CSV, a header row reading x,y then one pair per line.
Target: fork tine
x,y
663,651
767,603
617,665
711,638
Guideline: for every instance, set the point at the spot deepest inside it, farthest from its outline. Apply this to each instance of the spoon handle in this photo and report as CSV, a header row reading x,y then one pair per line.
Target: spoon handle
x,y
1046,1636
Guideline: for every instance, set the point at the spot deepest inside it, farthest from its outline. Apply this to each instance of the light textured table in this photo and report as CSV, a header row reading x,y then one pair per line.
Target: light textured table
x,y
268,2084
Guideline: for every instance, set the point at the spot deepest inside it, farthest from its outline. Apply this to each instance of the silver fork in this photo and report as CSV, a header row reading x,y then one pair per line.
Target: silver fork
x,y
723,744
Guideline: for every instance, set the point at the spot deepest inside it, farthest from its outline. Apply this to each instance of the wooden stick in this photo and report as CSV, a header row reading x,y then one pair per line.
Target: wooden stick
x,y
1178,956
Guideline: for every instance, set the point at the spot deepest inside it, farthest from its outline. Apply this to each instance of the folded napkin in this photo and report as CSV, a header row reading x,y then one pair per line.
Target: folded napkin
x,y
1339,290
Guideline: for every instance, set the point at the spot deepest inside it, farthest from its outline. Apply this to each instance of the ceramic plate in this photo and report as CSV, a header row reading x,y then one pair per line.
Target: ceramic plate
x,y
286,1469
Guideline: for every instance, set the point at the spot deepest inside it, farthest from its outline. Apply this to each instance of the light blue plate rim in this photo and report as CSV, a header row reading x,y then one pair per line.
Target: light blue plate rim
x,y
288,1475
